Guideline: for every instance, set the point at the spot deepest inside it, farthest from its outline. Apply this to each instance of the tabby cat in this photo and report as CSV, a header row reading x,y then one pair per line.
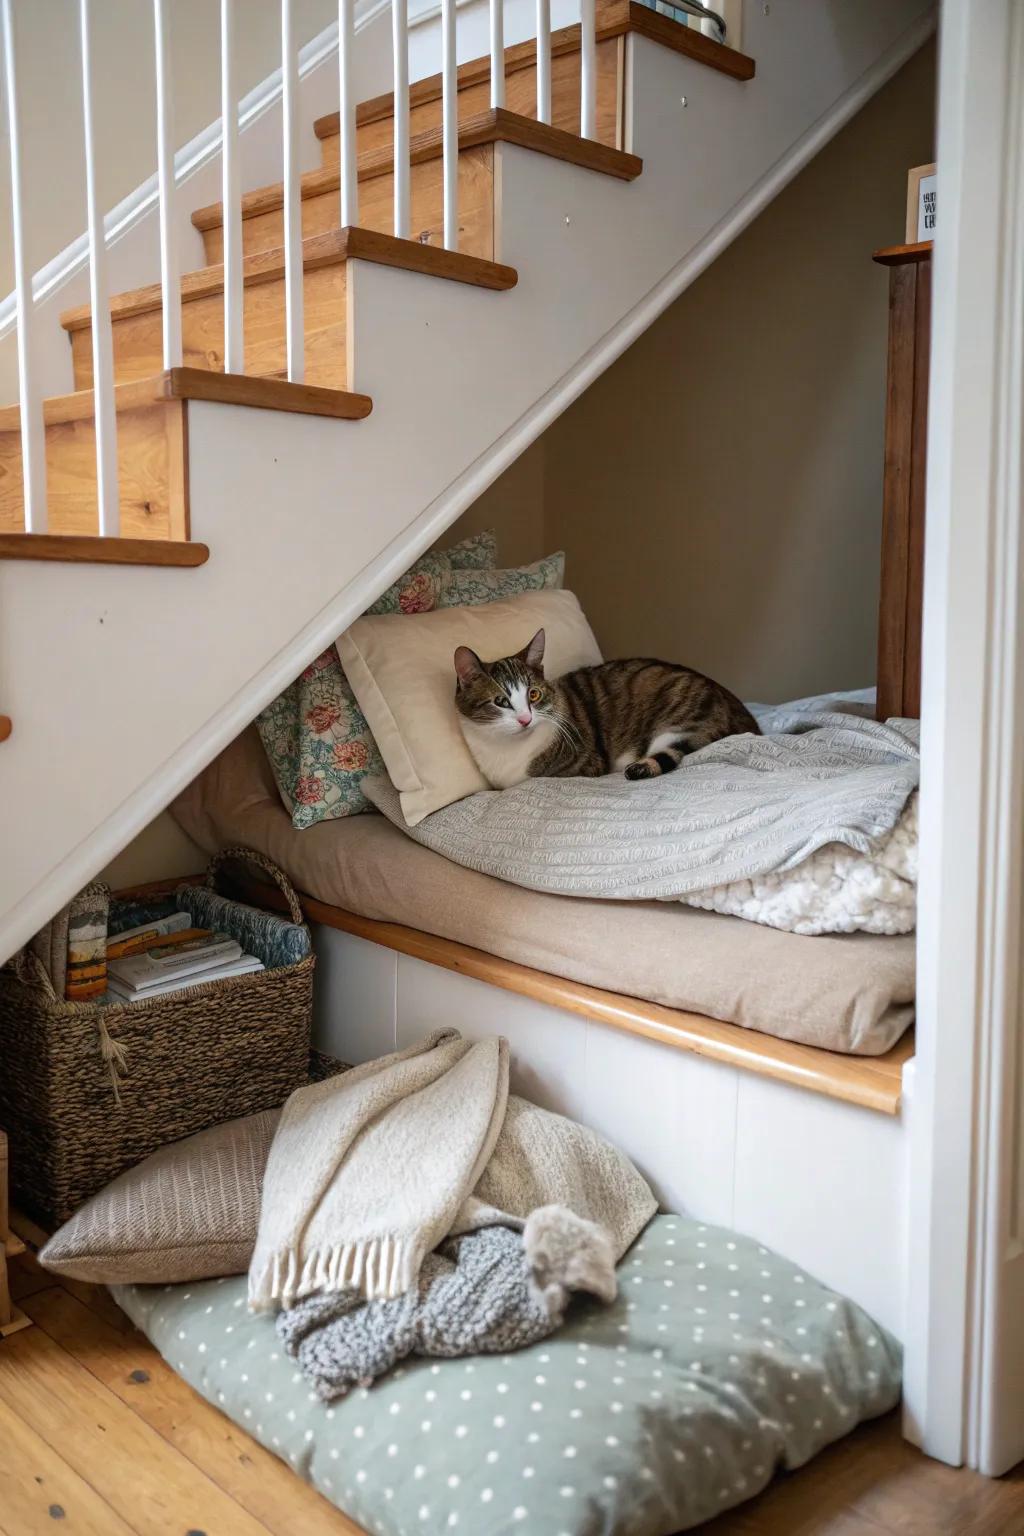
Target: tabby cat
x,y
638,716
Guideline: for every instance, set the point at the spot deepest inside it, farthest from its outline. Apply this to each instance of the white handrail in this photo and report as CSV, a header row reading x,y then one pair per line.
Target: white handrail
x,y
450,126
400,48
588,69
497,53
231,198
33,431
293,296
170,285
543,61
107,494
347,166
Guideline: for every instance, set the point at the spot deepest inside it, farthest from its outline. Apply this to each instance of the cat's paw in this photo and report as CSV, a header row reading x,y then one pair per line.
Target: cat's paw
x,y
642,769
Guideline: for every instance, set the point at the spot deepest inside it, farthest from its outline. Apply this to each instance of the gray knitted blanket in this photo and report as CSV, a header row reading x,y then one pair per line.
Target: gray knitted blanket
x,y
738,810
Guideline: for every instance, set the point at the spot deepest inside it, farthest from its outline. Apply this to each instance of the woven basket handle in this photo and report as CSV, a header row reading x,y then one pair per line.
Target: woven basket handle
x,y
30,970
277,875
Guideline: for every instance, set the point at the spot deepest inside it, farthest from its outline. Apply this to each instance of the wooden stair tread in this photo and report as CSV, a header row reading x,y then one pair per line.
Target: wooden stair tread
x,y
93,550
613,20
318,251
497,125
271,394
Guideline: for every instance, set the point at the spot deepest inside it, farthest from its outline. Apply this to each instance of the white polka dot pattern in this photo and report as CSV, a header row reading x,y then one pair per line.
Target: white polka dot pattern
x,y
650,1416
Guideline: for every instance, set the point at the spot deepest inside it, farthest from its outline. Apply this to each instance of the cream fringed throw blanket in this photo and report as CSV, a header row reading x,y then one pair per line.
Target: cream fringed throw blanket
x,y
367,1172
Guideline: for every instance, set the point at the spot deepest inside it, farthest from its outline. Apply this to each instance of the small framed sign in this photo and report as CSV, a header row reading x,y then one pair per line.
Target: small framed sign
x,y
921,204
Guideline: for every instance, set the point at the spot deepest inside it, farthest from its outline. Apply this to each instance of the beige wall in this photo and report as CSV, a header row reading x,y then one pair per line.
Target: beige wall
x,y
48,51
718,490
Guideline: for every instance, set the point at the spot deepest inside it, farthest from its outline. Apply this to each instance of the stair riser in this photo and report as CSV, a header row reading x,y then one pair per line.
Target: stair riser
x,y
520,96
265,231
152,475
138,347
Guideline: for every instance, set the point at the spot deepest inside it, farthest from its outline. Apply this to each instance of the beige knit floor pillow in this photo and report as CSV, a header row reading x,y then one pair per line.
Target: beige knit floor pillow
x,y
187,1212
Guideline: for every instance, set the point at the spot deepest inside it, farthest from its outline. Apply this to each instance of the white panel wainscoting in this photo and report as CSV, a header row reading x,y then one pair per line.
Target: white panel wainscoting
x,y
354,996
821,1181
825,1183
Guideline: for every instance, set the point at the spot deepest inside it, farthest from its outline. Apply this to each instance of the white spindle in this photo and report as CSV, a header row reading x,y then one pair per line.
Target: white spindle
x,y
231,197
400,44
292,198
588,69
169,278
497,53
107,495
347,168
543,61
449,126
33,432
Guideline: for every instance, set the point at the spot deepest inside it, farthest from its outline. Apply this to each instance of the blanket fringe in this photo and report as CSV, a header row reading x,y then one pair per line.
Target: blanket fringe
x,y
379,1268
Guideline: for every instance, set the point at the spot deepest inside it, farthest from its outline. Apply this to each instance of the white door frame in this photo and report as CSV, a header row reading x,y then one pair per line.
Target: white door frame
x,y
965,1307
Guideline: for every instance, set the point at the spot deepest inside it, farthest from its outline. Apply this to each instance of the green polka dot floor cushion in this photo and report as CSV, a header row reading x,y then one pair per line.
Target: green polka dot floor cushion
x,y
718,1364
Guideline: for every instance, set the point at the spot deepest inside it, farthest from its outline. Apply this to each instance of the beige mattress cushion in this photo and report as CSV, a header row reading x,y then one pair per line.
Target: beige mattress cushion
x,y
849,992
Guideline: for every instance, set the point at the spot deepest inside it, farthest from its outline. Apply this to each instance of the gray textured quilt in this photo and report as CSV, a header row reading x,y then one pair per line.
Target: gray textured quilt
x,y
823,792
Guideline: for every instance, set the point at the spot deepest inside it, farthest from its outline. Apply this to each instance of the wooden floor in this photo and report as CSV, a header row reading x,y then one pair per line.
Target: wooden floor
x,y
100,1436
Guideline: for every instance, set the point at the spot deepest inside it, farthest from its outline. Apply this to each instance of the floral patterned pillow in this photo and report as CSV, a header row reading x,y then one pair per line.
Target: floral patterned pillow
x,y
315,735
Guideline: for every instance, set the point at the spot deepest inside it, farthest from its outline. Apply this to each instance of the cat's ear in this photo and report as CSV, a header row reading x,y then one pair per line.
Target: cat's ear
x,y
533,654
467,665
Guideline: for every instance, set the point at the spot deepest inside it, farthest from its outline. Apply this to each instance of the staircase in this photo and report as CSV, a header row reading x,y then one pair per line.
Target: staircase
x,y
259,515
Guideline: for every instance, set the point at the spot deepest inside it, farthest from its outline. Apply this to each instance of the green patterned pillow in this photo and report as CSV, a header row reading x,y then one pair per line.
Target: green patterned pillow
x,y
477,553
315,735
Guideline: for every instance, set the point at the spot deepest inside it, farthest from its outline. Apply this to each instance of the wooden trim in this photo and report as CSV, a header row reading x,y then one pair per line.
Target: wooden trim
x,y
899,255
12,1320
96,551
874,1082
318,251
613,20
5,727
497,125
268,394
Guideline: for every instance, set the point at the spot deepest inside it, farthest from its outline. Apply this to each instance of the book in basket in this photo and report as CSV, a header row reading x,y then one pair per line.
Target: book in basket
x,y
172,962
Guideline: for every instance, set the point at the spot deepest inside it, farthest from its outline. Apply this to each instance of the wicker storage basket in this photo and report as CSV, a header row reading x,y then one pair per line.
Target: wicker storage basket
x,y
88,1090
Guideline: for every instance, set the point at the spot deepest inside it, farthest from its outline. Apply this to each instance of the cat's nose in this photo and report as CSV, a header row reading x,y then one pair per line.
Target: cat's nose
x,y
524,719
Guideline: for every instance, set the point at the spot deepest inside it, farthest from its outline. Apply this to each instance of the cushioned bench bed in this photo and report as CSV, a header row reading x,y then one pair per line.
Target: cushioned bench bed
x,y
718,1363
758,1078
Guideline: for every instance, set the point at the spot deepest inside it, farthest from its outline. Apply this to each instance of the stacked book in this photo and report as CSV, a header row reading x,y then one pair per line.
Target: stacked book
x,y
169,954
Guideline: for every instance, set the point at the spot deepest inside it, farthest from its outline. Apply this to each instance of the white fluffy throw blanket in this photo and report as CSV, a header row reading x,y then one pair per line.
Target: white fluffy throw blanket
x,y
810,827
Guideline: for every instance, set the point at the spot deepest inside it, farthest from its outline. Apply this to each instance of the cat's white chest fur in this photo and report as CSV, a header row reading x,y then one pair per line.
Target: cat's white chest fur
x,y
504,756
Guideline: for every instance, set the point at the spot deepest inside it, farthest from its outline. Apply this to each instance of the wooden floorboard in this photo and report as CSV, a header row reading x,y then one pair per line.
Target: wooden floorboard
x,y
99,1434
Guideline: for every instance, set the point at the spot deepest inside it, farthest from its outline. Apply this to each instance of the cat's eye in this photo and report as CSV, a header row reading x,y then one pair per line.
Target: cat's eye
x,y
534,695
503,703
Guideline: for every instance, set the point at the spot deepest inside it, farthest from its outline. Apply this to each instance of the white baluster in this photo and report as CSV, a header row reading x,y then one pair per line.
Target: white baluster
x,y
292,198
347,168
231,197
450,126
169,278
33,432
497,53
588,69
107,495
400,44
543,61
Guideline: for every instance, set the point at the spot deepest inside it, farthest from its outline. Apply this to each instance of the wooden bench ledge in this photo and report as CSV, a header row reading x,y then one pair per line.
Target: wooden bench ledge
x,y
873,1082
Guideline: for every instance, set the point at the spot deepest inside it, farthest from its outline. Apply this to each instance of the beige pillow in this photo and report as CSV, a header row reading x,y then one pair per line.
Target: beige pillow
x,y
402,673
188,1212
